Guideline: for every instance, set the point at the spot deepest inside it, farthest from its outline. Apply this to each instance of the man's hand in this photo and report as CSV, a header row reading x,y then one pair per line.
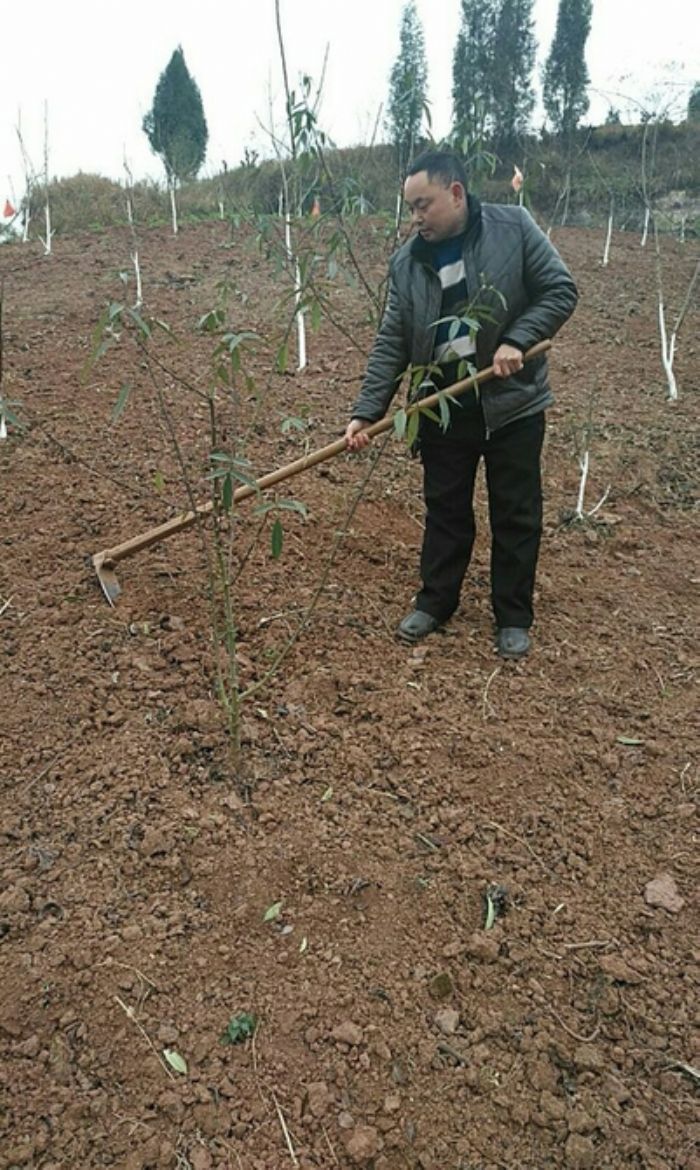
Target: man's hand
x,y
355,436
507,360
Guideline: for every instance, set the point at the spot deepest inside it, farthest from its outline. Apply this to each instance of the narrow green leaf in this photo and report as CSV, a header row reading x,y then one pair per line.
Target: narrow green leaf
x,y
159,481
175,1061
282,358
276,539
412,428
142,326
121,402
327,794
272,912
315,316
227,492
428,412
629,741
490,913
400,420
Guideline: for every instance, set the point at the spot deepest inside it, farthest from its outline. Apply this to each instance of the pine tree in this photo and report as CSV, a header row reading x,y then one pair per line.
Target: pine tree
x,y
473,73
408,87
694,104
175,125
566,74
514,60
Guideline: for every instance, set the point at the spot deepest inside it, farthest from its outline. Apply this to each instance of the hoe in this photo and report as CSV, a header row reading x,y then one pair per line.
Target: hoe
x,y
105,562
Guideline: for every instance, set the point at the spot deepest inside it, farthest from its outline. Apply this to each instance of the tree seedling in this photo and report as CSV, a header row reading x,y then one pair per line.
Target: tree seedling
x,y
495,902
239,1028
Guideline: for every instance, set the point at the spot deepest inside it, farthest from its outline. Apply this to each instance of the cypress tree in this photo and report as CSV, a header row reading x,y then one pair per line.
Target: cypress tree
x,y
473,73
175,125
408,87
566,74
514,60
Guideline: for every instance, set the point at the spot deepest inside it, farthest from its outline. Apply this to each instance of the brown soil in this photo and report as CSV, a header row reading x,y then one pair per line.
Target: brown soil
x,y
381,789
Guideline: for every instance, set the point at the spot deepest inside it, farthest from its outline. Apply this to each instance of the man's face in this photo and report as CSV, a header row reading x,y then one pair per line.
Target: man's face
x,y
437,211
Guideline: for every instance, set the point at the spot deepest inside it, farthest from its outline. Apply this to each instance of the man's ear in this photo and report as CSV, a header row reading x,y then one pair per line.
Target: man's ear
x,y
458,192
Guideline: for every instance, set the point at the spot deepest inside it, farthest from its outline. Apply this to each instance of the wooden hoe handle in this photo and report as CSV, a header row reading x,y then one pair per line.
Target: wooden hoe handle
x,y
109,557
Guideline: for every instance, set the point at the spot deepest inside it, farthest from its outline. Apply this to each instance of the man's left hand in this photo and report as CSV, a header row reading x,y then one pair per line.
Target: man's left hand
x,y
507,360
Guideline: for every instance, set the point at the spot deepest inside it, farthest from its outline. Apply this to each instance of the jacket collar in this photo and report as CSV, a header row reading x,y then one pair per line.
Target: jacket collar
x,y
422,250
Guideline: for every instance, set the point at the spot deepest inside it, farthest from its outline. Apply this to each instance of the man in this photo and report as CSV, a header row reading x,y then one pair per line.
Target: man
x,y
493,266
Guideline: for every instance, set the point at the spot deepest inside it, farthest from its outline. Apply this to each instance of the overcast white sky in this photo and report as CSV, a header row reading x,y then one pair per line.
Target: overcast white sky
x,y
97,67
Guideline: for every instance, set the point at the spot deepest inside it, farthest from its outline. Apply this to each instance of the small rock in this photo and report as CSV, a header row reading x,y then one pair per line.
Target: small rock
x,y
318,1098
15,898
580,1122
154,841
392,1103
663,892
588,1058
200,1159
482,945
552,1107
346,1120
29,1047
364,1144
168,1034
579,1152
615,967
447,1021
440,986
348,1033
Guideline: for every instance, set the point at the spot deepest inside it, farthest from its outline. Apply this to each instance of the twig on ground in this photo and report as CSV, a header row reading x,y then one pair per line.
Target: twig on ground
x,y
593,944
285,1131
330,1145
5,605
447,1050
575,1035
130,1013
485,697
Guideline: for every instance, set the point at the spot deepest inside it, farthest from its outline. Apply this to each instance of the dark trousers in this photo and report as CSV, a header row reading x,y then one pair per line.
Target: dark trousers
x,y
512,459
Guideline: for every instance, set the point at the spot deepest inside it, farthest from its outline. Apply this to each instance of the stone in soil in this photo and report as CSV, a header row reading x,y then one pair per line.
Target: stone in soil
x,y
663,892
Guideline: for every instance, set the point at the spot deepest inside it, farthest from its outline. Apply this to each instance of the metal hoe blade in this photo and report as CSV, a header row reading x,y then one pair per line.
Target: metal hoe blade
x,y
107,577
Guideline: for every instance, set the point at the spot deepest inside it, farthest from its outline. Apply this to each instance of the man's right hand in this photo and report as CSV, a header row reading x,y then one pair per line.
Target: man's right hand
x,y
356,436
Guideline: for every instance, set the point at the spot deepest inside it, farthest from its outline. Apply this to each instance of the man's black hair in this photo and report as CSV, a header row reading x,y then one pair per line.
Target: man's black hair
x,y
442,165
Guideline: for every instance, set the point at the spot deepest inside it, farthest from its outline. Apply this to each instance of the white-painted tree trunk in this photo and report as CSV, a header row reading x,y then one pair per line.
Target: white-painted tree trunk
x,y
583,463
668,353
47,215
137,274
645,230
3,426
134,240
173,205
47,208
608,238
298,312
221,209
301,324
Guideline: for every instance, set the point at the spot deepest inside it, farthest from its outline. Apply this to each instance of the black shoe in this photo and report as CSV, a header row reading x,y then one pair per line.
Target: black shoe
x,y
415,626
512,642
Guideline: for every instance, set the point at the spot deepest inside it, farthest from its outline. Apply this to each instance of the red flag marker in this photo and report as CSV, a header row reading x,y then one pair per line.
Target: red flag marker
x,y
9,210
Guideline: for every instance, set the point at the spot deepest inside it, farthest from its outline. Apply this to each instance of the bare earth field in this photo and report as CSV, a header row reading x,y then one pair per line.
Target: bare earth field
x,y
381,790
